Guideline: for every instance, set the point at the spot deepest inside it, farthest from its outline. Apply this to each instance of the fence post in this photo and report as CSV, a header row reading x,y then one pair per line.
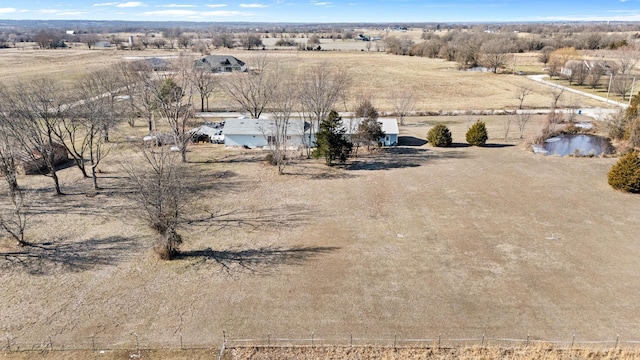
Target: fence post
x,y
224,345
93,342
617,340
181,344
482,341
50,343
312,339
268,340
527,339
351,341
8,343
395,340
439,340
137,343
573,340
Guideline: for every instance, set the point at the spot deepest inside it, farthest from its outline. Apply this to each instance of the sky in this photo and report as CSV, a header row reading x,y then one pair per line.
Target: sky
x,y
324,11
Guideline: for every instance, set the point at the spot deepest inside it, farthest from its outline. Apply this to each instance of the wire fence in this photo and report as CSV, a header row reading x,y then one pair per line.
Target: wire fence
x,y
135,342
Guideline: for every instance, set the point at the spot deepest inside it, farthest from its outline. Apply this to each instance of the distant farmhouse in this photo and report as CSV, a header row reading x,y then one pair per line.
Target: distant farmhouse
x,y
257,133
605,67
102,45
221,63
157,64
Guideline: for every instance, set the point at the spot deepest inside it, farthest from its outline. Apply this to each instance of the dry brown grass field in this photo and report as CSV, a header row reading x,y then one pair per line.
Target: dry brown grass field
x,y
438,84
411,242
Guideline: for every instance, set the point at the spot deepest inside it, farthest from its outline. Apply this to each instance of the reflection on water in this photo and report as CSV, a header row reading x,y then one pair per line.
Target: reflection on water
x,y
575,145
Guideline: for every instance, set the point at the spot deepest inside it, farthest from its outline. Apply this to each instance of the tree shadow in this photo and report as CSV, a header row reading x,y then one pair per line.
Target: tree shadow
x,y
58,256
258,156
268,218
497,146
459,145
258,261
391,158
324,173
410,141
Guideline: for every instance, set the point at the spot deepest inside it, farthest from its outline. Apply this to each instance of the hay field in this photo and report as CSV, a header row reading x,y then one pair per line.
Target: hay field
x,y
437,84
413,241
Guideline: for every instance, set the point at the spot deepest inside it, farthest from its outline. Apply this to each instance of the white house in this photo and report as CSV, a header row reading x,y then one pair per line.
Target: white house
x,y
389,127
255,133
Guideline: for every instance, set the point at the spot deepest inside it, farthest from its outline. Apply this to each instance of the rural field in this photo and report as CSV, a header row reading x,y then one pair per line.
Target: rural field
x,y
411,242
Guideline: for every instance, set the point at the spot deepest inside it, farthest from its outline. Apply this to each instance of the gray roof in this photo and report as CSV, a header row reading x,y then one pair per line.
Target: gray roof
x,y
248,126
216,61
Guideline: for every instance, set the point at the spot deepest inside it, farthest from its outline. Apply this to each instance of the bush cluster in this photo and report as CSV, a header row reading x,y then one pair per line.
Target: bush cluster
x,y
439,136
625,174
477,134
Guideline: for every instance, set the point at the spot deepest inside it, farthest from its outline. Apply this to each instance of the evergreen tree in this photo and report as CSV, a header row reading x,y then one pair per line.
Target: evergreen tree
x,y
370,131
477,134
625,174
330,140
439,136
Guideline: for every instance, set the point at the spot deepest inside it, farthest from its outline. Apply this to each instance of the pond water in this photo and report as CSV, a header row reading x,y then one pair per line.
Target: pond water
x,y
581,145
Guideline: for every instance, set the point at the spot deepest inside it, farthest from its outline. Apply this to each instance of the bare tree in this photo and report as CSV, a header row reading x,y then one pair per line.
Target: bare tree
x,y
277,133
250,41
8,147
522,118
621,84
321,88
35,110
628,57
84,131
205,83
595,74
506,126
495,53
252,90
13,221
111,86
137,77
522,92
404,101
545,54
160,196
173,97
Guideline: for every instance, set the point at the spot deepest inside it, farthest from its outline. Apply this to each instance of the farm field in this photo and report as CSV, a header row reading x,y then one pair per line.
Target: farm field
x,y
438,85
413,241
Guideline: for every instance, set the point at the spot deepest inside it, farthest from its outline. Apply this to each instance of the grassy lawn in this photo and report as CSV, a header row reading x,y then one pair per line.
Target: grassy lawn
x,y
414,241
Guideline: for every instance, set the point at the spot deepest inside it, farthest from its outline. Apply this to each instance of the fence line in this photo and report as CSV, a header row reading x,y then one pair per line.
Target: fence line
x,y
135,342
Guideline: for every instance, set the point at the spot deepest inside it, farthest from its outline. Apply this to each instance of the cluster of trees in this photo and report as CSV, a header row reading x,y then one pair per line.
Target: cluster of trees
x,y
39,116
440,135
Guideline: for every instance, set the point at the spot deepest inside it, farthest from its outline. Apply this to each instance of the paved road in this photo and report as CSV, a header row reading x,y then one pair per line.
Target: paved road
x,y
540,79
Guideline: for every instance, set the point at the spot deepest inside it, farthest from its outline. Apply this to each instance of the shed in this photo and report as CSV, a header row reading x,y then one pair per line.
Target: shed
x,y
32,162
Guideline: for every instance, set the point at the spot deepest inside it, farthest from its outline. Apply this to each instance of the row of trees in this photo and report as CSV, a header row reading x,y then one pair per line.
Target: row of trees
x,y
440,135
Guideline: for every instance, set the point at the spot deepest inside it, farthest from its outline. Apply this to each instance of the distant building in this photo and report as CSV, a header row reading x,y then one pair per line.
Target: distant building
x,y
606,67
221,63
102,45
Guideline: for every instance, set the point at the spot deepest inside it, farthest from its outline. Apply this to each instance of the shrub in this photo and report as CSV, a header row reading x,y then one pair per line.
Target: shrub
x,y
477,134
439,136
625,174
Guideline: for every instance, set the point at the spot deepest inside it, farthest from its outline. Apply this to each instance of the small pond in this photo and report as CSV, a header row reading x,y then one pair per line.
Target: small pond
x,y
581,145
